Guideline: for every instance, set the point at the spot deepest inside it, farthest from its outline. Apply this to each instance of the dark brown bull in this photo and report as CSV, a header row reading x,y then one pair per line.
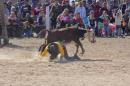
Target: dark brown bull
x,y
68,35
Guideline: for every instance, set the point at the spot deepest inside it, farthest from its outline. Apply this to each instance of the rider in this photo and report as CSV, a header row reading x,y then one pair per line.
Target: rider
x,y
54,49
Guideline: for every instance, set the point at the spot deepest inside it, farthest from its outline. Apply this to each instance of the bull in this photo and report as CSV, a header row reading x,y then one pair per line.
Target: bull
x,y
67,35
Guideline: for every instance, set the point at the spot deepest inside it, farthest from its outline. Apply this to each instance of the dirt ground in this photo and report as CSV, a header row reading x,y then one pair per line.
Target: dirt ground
x,y
105,63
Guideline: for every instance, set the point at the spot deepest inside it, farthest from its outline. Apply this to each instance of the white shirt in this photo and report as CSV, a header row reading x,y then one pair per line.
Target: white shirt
x,y
117,20
81,10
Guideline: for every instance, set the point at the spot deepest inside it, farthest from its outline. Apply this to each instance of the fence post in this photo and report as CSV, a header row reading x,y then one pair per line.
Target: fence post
x,y
2,23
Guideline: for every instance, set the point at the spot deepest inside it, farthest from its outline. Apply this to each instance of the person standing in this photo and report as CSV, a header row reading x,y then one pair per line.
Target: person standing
x,y
12,19
96,8
56,10
40,22
127,20
118,19
66,5
105,19
26,8
73,6
87,7
92,21
81,9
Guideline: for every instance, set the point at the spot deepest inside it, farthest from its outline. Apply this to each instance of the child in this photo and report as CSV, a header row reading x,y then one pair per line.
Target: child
x,y
92,20
118,19
124,25
100,28
105,19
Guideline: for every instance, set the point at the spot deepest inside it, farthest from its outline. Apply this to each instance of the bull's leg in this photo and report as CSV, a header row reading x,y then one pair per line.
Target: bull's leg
x,y
65,51
81,46
77,49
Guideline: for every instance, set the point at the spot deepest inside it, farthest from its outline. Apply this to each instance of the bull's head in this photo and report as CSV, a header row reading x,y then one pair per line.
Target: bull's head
x,y
91,36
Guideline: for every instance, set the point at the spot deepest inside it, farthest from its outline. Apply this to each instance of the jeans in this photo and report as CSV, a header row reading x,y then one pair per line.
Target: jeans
x,y
106,28
123,30
118,30
27,33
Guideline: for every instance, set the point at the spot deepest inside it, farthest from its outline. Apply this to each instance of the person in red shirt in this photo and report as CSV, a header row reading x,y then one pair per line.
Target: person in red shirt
x,y
77,19
96,8
104,8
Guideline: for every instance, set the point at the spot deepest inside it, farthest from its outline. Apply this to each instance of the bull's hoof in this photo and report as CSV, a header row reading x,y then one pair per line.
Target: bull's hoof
x,y
83,52
94,41
76,57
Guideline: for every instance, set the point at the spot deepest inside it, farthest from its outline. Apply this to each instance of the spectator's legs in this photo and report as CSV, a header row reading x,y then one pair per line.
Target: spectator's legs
x,y
119,30
107,32
53,23
13,30
124,31
96,31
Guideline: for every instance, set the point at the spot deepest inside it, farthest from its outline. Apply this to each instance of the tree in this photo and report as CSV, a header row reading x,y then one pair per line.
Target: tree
x,y
4,34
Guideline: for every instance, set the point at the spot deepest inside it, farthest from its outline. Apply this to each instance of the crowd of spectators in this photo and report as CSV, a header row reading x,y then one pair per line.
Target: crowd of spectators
x,y
26,20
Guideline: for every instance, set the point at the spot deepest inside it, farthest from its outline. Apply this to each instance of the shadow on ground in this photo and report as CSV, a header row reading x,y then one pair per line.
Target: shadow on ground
x,y
14,46
10,45
77,58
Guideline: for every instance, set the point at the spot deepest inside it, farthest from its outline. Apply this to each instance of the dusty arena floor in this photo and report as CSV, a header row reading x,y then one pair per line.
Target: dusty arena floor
x,y
105,63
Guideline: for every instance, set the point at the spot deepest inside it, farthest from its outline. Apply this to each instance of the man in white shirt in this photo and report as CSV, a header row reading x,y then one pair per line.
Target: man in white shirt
x,y
81,9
